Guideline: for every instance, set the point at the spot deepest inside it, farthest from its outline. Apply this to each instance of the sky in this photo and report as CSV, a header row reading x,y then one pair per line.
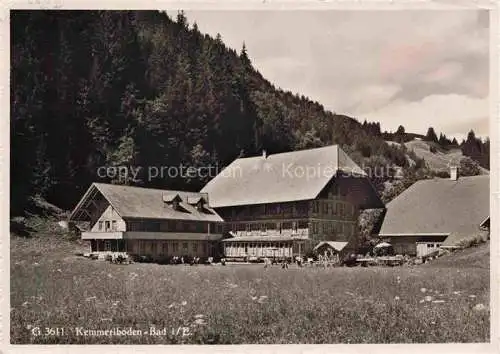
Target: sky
x,y
416,68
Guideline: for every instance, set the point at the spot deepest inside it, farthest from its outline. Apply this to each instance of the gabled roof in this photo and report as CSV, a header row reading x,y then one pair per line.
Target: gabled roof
x,y
455,238
439,206
147,203
193,200
336,245
169,197
284,177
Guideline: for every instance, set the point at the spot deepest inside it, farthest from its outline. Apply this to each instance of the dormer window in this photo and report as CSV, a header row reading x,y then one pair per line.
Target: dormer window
x,y
173,200
198,202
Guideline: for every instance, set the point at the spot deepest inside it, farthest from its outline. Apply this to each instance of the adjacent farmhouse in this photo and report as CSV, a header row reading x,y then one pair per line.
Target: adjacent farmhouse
x,y
438,213
285,204
148,222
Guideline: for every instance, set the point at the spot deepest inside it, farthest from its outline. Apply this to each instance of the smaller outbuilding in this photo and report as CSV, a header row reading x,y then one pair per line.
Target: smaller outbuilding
x,y
331,250
438,213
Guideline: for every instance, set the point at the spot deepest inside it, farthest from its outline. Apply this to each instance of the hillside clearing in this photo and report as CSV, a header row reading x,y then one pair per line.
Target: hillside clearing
x,y
51,286
441,159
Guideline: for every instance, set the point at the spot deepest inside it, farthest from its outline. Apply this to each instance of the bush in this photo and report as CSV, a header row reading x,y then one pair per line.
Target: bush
x,y
442,174
164,260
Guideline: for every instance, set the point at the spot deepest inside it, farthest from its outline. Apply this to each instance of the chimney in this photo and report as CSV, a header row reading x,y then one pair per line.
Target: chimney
x,y
453,173
264,154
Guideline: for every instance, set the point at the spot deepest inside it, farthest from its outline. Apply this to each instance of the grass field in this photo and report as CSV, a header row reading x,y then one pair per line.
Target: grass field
x,y
53,288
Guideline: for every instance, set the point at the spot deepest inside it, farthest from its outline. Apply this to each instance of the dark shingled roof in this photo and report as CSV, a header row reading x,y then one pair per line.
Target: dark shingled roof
x,y
148,203
439,206
285,177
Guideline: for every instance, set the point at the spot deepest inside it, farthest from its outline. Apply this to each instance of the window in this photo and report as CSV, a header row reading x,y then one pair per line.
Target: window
x,y
175,246
165,248
341,210
315,206
134,226
185,246
153,247
153,226
107,245
430,245
164,226
270,226
294,226
100,225
287,225
325,208
301,208
263,227
195,247
287,208
107,225
303,224
113,225
247,227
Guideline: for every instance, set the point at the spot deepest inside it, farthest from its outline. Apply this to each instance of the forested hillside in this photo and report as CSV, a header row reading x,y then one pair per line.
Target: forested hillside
x,y
137,88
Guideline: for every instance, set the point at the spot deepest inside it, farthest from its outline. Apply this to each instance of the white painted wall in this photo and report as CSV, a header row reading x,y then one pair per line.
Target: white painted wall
x,y
424,248
109,215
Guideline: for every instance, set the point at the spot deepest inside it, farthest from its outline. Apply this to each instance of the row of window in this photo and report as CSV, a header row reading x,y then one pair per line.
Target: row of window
x,y
299,208
155,247
108,225
145,247
333,208
336,228
247,245
170,226
268,226
107,245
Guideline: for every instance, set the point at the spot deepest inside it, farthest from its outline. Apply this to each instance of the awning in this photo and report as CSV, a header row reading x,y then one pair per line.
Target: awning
x,y
382,245
259,239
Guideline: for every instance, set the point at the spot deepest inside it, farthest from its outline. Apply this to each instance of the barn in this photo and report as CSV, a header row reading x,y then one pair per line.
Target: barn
x,y
438,213
147,222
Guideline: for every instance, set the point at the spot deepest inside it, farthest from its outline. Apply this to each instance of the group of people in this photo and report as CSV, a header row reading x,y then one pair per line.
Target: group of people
x,y
284,263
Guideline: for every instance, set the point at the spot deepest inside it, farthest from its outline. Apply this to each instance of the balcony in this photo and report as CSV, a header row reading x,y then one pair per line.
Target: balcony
x,y
111,235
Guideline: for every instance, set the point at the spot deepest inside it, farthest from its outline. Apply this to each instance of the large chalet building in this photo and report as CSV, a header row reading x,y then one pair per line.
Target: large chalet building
x,y
286,204
148,222
281,205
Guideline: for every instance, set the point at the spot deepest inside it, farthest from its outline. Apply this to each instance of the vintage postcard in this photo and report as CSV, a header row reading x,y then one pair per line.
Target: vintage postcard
x,y
223,175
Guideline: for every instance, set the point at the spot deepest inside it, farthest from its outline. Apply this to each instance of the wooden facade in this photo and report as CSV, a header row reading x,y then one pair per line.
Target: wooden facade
x,y
285,230
415,245
188,226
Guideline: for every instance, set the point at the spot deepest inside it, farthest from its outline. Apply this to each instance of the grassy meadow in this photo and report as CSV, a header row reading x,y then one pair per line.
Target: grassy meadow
x,y
51,287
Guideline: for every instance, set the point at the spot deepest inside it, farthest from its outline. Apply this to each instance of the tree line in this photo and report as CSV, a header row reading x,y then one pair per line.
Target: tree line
x,y
139,88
